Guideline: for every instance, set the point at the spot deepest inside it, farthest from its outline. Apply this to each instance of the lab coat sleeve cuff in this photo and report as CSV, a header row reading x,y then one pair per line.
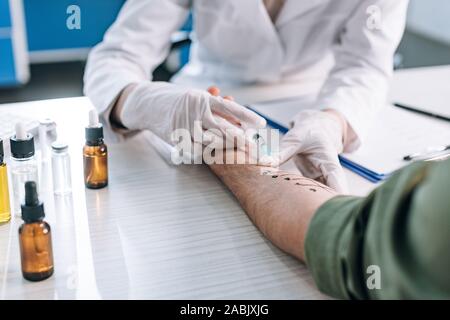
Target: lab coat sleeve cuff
x,y
114,133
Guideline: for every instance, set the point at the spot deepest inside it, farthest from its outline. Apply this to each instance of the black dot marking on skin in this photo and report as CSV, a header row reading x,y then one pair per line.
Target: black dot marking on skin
x,y
287,179
313,186
274,177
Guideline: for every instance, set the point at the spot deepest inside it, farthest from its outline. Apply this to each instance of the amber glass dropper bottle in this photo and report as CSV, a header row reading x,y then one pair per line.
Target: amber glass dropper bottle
x,y
95,155
5,209
35,238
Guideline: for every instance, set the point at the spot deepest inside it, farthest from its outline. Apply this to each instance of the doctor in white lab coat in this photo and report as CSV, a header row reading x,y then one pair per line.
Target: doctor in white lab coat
x,y
350,43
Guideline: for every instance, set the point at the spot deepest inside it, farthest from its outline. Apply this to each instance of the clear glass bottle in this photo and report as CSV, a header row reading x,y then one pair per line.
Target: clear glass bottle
x,y
5,210
23,164
47,135
35,238
61,172
95,155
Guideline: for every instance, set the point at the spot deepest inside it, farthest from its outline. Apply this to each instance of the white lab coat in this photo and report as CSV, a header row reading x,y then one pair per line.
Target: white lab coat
x,y
236,42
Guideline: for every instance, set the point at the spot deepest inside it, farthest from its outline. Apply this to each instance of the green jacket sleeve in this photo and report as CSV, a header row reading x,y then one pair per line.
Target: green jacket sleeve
x,y
393,244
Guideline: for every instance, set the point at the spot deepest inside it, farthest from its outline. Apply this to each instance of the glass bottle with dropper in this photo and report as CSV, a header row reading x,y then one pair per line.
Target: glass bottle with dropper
x,y
5,210
23,163
35,238
95,155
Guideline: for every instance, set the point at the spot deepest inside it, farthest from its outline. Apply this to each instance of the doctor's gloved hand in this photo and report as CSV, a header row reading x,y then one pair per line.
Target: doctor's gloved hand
x,y
163,107
315,141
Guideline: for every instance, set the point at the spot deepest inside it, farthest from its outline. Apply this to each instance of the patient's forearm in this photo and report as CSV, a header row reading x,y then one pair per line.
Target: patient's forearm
x,y
281,204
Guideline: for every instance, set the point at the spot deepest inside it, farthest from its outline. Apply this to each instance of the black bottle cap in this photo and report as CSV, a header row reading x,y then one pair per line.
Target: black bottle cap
x,y
94,134
94,131
2,152
22,148
32,208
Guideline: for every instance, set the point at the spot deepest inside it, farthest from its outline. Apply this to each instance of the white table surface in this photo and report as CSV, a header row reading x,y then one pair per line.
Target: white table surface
x,y
157,231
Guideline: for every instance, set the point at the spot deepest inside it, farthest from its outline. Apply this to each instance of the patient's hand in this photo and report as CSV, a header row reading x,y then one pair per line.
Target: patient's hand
x,y
281,204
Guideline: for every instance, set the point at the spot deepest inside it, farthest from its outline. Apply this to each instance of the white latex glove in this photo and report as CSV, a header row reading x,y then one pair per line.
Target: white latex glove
x,y
315,141
162,107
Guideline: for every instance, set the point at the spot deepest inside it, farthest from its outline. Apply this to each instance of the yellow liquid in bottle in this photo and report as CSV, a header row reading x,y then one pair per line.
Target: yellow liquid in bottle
x,y
5,210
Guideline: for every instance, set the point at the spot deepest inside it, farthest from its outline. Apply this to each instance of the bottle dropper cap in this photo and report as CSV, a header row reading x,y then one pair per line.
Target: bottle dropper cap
x,y
94,131
32,208
2,152
22,143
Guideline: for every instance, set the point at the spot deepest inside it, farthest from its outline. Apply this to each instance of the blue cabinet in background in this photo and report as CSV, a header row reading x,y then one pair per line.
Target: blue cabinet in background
x,y
14,69
7,65
5,17
36,31
41,33
7,70
47,29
